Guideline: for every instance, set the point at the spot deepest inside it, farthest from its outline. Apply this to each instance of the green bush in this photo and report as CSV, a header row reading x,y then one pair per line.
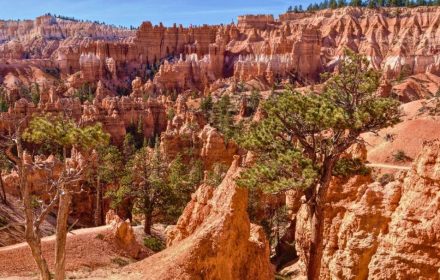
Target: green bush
x,y
4,106
85,93
346,167
400,156
154,243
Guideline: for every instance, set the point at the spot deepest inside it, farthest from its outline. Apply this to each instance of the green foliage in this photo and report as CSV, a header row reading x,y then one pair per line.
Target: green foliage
x,y
100,236
134,139
400,156
123,91
128,146
144,183
273,219
254,101
61,132
5,163
4,105
170,114
195,174
35,93
303,135
404,72
156,185
120,261
372,4
347,167
281,277
35,202
153,243
216,175
222,118
181,182
31,93
206,105
110,164
85,93
389,137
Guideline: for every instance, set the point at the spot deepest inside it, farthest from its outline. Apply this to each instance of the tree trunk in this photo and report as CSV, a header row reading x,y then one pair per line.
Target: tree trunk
x,y
31,232
317,220
98,210
34,243
2,191
147,224
61,235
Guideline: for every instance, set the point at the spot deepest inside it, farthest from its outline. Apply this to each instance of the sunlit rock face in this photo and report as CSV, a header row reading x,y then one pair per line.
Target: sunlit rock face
x,y
399,41
374,231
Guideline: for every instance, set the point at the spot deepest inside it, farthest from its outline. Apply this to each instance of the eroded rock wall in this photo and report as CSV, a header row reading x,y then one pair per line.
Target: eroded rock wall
x,y
374,231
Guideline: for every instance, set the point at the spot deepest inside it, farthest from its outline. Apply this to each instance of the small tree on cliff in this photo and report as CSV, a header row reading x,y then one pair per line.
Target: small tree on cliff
x,y
303,137
64,133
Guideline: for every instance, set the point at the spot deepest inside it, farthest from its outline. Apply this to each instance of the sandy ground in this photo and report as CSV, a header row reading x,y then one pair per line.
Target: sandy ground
x,y
90,253
407,136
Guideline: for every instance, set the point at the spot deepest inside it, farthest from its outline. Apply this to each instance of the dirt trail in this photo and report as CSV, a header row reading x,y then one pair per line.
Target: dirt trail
x,y
388,166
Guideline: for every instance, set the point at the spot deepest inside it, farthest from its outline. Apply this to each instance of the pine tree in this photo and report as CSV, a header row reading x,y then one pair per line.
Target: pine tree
x,y
222,118
303,136
372,4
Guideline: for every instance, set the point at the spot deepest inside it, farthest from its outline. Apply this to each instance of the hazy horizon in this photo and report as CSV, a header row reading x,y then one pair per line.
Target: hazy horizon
x,y
134,12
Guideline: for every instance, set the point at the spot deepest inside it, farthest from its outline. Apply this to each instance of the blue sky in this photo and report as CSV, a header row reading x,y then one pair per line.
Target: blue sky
x,y
133,12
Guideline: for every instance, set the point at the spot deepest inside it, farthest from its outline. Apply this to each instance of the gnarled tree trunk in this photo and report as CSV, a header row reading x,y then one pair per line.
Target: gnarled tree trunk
x,y
61,234
31,232
317,220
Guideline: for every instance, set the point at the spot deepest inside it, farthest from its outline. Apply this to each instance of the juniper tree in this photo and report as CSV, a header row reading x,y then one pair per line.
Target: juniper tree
x,y
303,136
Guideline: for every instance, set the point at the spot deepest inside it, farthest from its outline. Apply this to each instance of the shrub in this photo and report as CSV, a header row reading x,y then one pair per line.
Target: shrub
x,y
100,236
4,106
346,167
400,156
85,93
120,261
154,243
170,114
389,137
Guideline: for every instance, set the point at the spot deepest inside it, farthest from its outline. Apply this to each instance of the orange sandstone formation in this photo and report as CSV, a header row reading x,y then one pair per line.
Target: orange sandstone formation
x,y
213,239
